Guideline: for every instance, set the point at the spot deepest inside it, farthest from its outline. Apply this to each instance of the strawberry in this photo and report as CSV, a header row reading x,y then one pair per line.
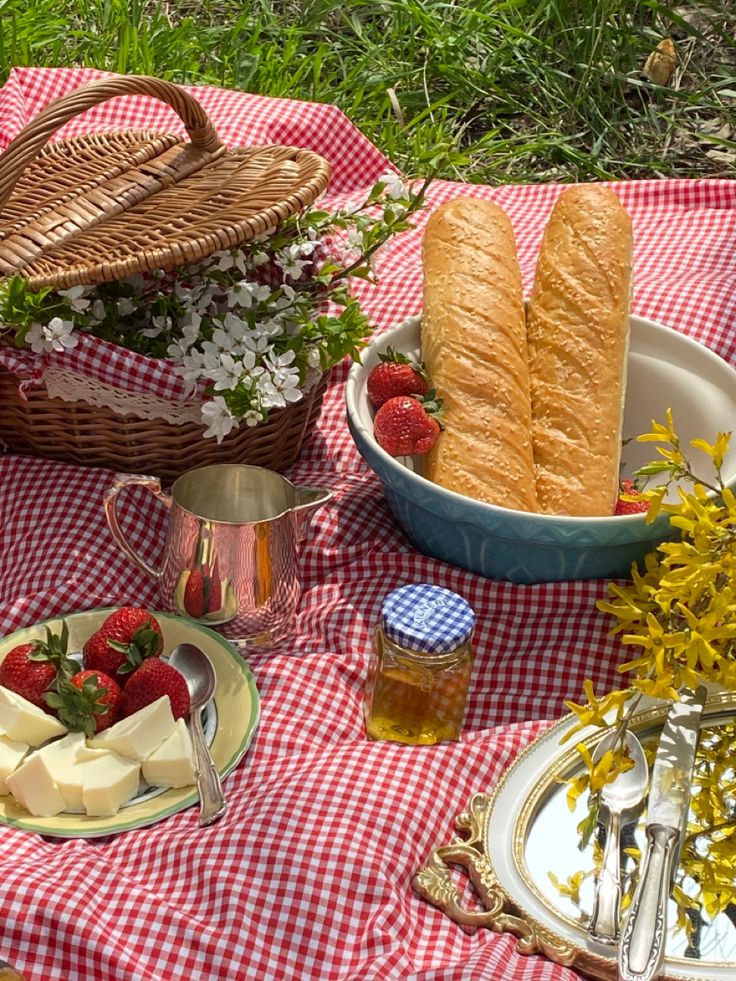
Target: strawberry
x,y
395,375
406,425
88,702
194,594
630,507
31,669
149,682
203,591
126,638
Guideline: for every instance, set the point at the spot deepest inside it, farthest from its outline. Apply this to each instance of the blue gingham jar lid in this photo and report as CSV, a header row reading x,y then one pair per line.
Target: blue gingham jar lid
x,y
427,618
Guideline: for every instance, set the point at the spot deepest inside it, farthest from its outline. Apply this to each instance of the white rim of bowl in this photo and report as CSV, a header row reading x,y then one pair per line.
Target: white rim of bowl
x,y
384,339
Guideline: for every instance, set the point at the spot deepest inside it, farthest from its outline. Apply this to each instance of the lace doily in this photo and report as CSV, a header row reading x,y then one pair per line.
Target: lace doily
x,y
64,384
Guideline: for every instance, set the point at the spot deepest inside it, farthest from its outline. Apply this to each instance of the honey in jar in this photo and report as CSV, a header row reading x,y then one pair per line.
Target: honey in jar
x,y
420,666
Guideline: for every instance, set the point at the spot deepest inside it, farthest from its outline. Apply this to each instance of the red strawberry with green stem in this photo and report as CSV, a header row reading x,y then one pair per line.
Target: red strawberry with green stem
x,y
396,374
127,637
88,702
31,669
630,507
408,425
149,682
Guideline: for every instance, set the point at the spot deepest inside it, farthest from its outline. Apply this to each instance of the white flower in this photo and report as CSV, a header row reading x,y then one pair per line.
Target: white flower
x,y
125,306
314,359
273,327
179,349
355,238
35,337
98,310
192,365
282,360
222,338
256,343
289,262
252,417
202,298
283,385
56,335
76,297
234,328
260,259
271,397
244,294
264,236
283,302
211,361
225,261
221,341
190,326
218,418
241,295
393,186
227,374
60,334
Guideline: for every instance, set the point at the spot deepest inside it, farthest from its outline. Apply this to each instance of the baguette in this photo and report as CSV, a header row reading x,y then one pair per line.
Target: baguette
x,y
474,347
578,335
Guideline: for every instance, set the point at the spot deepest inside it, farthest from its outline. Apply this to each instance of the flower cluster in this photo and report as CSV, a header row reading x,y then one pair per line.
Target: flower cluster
x,y
251,329
679,613
680,609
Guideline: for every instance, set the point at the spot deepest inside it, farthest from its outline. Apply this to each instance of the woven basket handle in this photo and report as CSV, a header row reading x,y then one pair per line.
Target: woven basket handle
x,y
26,145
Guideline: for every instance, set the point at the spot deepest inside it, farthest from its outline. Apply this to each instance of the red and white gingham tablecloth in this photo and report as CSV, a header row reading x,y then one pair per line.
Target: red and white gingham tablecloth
x,y
308,874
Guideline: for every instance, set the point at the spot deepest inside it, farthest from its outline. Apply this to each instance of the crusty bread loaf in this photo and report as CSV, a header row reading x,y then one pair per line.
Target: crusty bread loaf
x,y
474,347
578,331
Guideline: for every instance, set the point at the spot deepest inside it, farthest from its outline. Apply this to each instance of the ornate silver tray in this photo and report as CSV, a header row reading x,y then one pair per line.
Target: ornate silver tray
x,y
514,841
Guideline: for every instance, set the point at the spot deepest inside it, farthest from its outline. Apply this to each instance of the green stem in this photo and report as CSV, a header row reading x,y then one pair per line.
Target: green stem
x,y
415,204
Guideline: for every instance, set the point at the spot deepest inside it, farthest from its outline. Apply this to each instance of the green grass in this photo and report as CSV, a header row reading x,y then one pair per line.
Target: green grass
x,y
519,90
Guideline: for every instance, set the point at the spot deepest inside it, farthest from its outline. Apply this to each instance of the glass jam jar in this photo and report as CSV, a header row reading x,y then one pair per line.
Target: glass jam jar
x,y
420,666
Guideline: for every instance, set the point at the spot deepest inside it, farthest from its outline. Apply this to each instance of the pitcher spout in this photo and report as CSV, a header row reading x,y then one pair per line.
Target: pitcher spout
x,y
308,499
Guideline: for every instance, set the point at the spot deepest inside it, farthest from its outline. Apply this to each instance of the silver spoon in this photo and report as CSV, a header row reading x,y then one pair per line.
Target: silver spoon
x,y
200,677
623,794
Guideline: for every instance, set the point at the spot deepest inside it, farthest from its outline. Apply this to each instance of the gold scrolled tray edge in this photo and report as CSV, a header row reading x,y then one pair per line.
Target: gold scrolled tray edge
x,y
501,914
501,911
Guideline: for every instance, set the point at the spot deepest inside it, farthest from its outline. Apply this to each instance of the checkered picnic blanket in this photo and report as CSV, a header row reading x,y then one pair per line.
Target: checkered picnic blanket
x,y
308,874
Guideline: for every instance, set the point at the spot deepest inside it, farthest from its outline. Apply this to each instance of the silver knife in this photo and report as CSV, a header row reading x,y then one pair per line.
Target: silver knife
x,y
641,951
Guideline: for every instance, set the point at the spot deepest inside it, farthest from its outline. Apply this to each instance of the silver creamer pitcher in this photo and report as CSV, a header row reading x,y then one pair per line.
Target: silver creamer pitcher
x,y
231,549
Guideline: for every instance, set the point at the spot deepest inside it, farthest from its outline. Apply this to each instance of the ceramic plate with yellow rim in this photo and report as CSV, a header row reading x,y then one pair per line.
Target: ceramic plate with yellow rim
x,y
229,728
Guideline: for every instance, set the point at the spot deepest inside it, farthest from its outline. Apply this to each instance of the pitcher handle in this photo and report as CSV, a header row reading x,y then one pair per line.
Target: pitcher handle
x,y
110,502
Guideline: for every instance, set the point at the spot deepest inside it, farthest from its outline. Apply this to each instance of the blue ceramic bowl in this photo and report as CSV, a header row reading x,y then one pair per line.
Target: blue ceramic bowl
x,y
666,370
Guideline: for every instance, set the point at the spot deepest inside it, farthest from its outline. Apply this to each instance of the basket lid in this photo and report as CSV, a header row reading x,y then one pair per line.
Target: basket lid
x,y
102,206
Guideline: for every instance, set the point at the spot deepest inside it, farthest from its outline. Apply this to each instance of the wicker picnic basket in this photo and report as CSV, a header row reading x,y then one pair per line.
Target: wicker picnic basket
x,y
102,206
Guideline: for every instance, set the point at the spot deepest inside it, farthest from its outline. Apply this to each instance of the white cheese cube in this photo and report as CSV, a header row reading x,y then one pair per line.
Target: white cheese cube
x,y
24,721
12,752
172,764
33,786
88,752
109,781
69,746
63,763
138,735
